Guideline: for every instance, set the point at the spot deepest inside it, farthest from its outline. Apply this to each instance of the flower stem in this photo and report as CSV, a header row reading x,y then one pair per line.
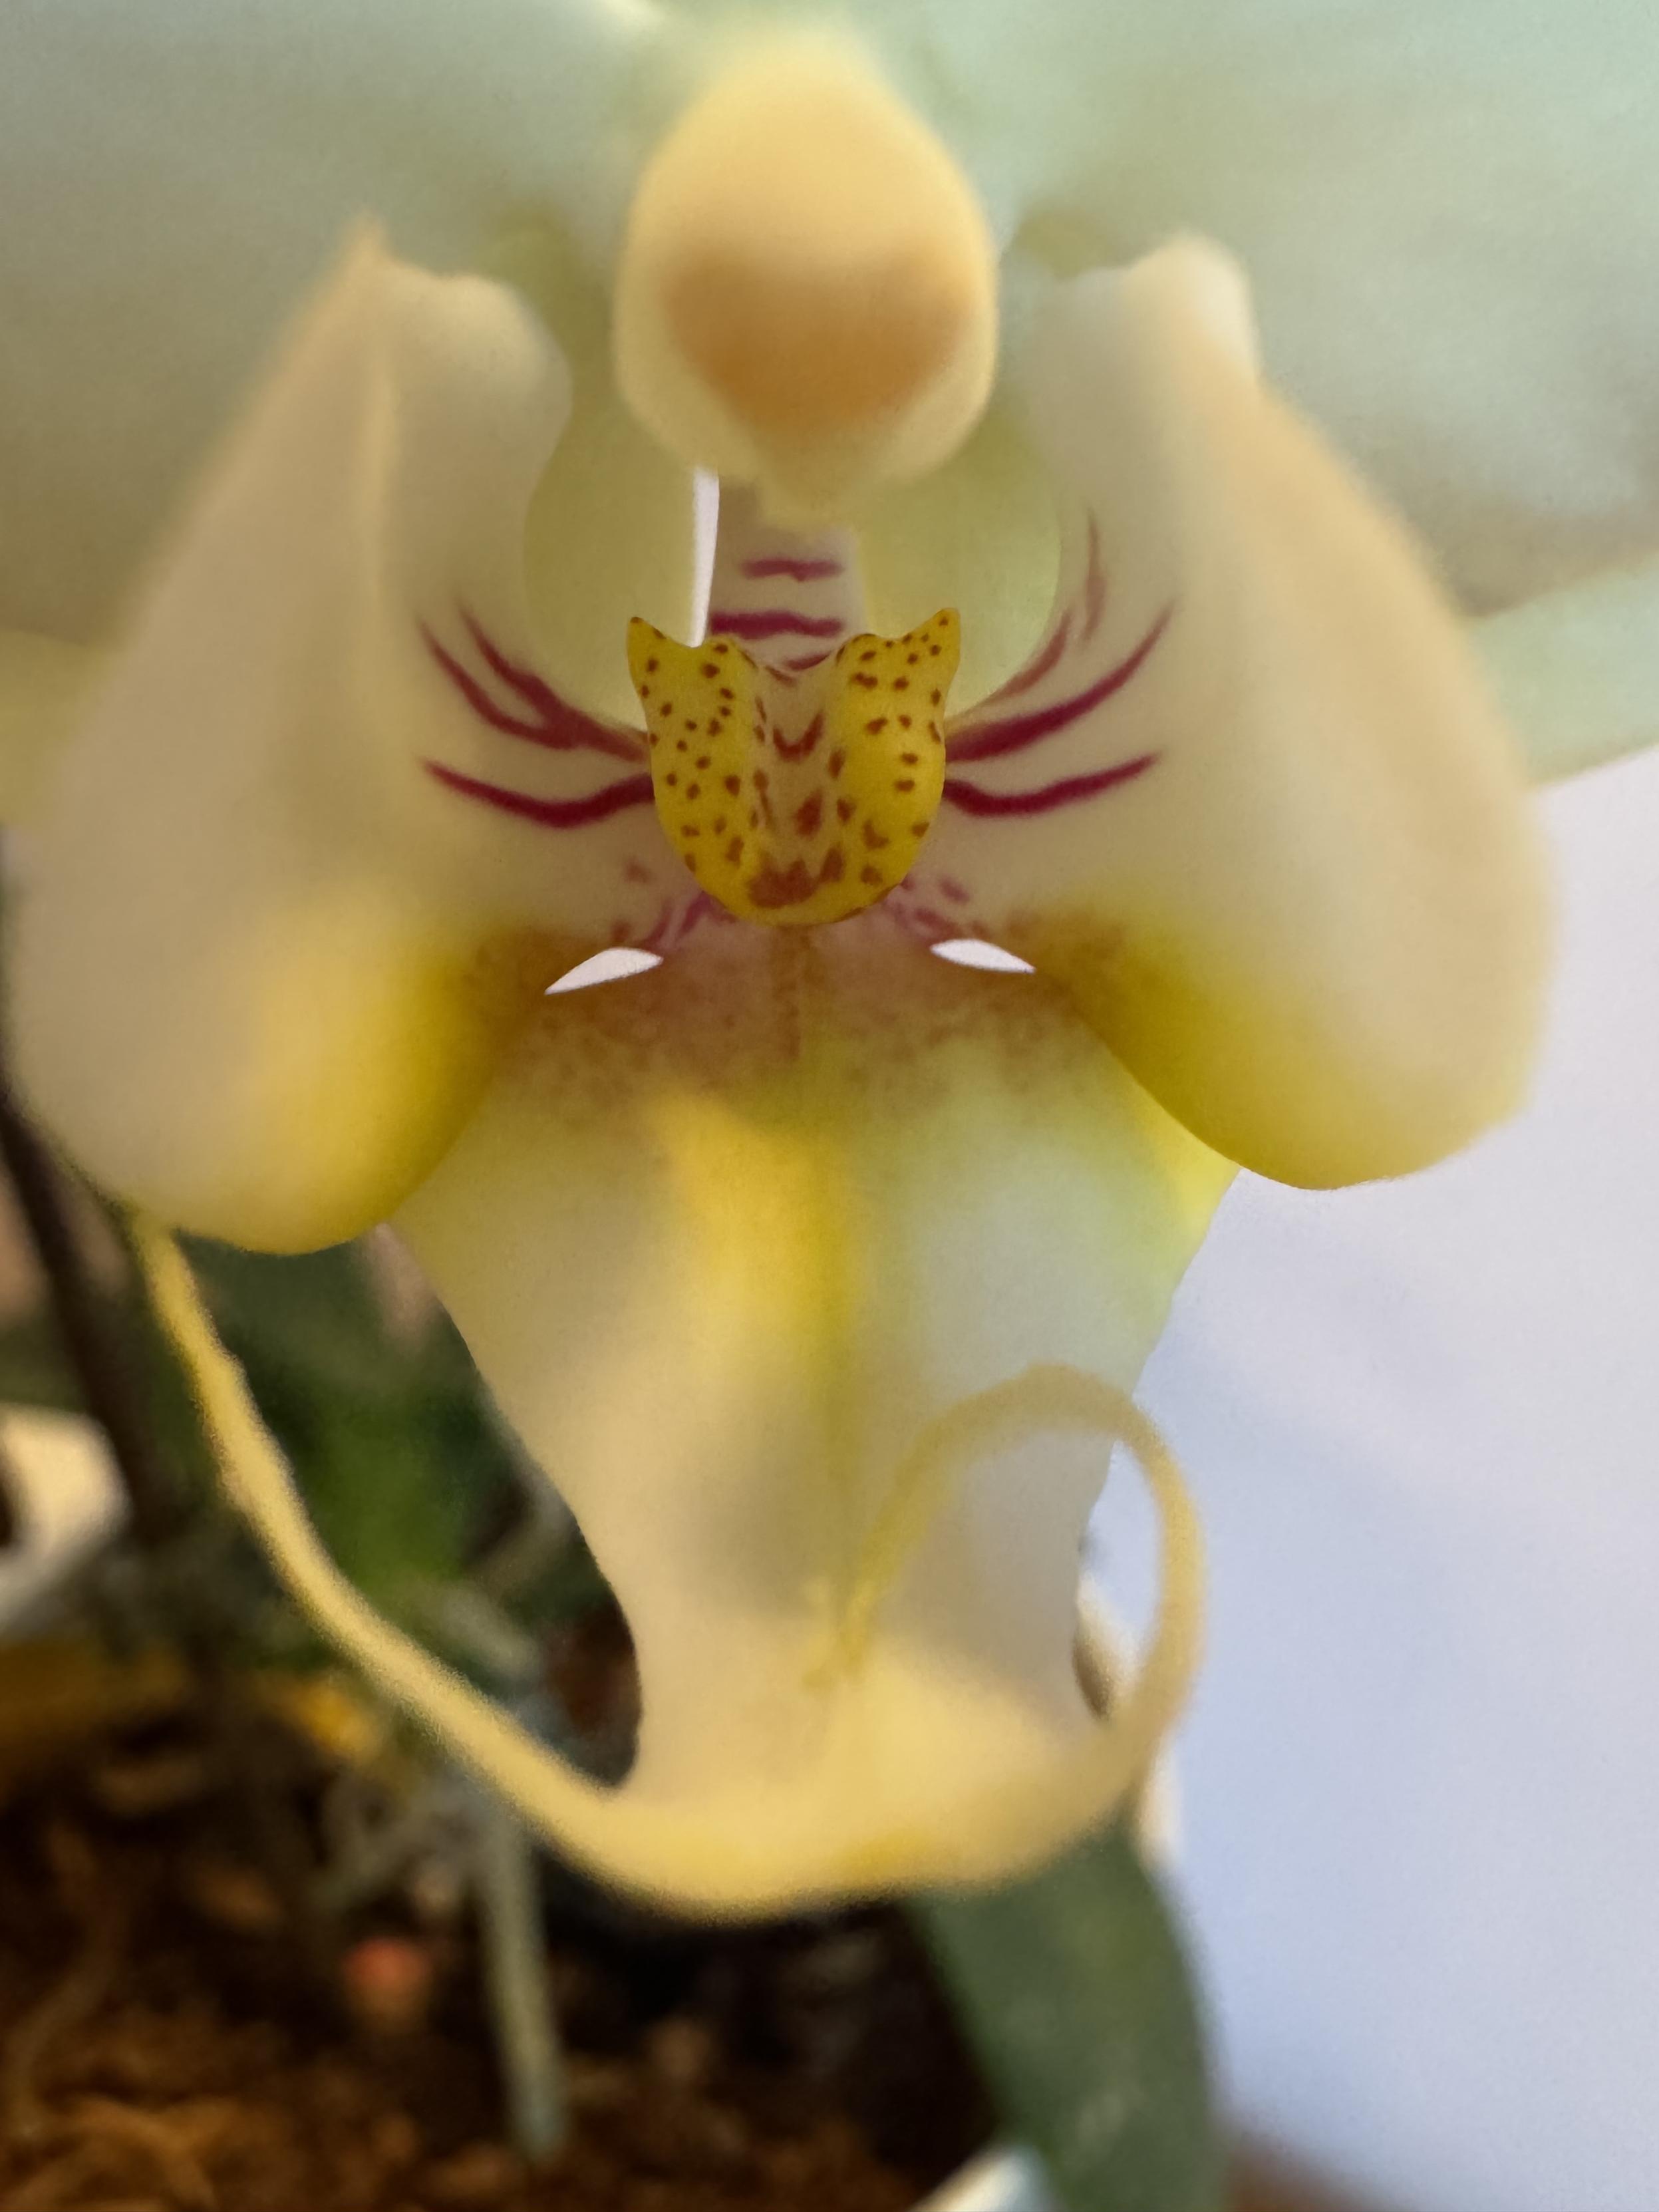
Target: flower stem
x,y
92,1337
520,1994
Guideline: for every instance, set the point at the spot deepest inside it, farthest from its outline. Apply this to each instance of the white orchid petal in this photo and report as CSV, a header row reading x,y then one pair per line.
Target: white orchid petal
x,y
730,1241
176,175
1448,211
980,535
612,531
1577,671
45,686
267,946
715,1857
1251,803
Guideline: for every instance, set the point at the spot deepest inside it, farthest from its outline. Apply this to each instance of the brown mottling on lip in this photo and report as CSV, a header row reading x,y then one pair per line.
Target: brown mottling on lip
x,y
796,745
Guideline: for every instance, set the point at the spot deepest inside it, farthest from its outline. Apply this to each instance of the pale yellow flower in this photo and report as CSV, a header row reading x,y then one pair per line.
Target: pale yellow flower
x,y
780,1256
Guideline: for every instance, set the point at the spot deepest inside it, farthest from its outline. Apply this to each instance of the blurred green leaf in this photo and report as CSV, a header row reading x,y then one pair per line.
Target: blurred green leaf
x,y
1073,1990
311,1317
394,1513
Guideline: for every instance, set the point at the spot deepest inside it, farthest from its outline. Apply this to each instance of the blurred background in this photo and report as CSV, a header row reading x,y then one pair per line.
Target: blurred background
x,y
1421,1775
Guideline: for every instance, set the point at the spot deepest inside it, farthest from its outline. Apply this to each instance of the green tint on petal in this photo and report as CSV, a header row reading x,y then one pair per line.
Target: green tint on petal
x,y
979,534
1448,211
612,530
1577,671
177,175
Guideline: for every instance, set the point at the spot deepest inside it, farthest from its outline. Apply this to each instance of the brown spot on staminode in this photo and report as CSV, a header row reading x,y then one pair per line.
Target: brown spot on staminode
x,y
773,888
809,814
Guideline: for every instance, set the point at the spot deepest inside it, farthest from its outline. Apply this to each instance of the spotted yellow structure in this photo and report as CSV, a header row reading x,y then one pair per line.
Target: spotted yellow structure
x,y
796,799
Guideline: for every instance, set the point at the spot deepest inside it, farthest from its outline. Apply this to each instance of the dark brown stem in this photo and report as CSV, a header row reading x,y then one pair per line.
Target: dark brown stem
x,y
102,1359
92,1335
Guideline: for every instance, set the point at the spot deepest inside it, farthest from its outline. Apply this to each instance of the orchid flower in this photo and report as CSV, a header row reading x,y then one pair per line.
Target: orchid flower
x,y
810,1267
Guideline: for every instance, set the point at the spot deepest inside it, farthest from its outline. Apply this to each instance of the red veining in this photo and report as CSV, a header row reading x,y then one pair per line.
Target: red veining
x,y
1034,671
930,918
771,622
1011,733
1094,586
550,813
674,924
798,749
557,726
974,799
789,564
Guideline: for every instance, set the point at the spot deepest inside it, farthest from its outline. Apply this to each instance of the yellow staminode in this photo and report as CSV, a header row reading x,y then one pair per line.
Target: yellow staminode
x,y
797,799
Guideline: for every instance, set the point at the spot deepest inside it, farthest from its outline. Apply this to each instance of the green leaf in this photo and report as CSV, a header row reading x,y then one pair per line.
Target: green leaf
x,y
1074,1992
310,1316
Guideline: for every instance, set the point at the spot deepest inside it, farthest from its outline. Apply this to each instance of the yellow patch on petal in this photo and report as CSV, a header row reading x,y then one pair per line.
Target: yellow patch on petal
x,y
797,801
772,1254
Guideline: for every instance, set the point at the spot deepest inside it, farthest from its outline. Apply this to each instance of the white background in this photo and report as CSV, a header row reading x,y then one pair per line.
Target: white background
x,y
1421,1775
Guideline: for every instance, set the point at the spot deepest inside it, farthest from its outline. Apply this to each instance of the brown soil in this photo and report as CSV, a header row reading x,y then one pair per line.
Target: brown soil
x,y
163,2047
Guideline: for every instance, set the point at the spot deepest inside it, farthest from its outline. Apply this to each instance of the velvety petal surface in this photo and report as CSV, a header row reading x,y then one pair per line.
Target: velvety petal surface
x,y
1576,671
45,685
731,1241
177,175
1250,802
980,534
1448,211
325,830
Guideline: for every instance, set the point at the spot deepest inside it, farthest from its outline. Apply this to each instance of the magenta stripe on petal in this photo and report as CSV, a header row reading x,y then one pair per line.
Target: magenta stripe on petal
x,y
788,564
1011,733
1036,670
549,813
772,622
557,726
974,799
